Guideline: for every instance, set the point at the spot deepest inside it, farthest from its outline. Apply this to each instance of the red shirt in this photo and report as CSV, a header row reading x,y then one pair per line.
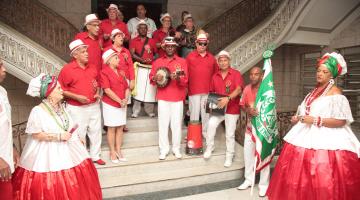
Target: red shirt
x,y
116,82
106,27
248,97
94,49
126,65
232,80
176,90
201,69
150,48
158,36
79,81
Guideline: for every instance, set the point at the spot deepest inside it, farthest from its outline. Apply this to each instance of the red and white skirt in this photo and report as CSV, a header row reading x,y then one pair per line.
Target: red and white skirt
x,y
305,174
79,182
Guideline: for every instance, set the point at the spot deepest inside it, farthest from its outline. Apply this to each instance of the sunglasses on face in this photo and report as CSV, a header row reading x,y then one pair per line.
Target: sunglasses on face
x,y
203,44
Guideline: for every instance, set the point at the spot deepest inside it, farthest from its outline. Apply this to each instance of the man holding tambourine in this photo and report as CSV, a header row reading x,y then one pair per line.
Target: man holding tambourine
x,y
227,83
170,74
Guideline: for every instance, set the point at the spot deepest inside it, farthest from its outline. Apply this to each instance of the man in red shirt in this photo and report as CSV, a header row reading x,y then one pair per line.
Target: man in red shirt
x,y
164,31
91,39
170,98
107,25
79,80
228,82
143,49
247,104
202,66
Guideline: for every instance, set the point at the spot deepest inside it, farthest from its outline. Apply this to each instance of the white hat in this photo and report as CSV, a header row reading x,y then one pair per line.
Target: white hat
x,y
169,41
223,53
108,54
162,16
201,37
90,18
75,45
187,16
115,32
141,22
34,86
112,6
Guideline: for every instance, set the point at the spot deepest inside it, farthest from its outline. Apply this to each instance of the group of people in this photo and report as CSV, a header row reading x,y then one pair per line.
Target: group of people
x,y
320,158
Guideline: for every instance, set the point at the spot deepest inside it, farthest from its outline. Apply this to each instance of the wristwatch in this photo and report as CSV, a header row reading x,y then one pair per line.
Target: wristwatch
x,y
229,98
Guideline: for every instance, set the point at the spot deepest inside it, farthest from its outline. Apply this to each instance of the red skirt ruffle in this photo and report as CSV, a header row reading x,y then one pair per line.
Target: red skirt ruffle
x,y
306,174
79,182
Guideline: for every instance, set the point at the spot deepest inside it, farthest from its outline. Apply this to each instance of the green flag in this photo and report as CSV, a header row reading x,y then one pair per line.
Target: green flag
x,y
264,127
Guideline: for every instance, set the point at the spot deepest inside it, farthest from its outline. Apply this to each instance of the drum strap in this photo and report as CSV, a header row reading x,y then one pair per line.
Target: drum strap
x,y
143,48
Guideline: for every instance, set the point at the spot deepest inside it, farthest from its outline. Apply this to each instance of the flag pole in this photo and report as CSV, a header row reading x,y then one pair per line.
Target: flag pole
x,y
253,182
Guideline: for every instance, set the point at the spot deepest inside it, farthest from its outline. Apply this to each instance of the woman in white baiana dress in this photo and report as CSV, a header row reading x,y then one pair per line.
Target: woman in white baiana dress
x,y
321,155
54,163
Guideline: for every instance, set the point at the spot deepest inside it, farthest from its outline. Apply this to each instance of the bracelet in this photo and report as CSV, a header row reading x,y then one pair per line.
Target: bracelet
x,y
321,122
318,121
60,137
302,119
315,121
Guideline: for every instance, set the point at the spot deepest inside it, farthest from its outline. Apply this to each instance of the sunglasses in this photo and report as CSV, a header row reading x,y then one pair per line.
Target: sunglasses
x,y
203,44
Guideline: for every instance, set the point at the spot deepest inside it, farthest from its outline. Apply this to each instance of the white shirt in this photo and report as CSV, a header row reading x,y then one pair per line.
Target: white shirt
x,y
6,143
133,22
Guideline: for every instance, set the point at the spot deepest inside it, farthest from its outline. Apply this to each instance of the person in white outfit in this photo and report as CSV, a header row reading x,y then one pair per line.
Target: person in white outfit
x,y
141,15
229,83
247,104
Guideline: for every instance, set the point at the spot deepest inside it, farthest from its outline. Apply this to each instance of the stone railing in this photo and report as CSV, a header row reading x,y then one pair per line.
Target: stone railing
x,y
25,58
40,24
283,123
236,21
247,50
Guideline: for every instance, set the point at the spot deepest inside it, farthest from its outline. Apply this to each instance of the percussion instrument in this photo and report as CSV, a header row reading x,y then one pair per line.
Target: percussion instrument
x,y
165,73
194,138
211,104
143,91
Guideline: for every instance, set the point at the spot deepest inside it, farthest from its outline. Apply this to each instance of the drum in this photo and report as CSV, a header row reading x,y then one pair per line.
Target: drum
x,y
211,104
143,91
165,72
194,138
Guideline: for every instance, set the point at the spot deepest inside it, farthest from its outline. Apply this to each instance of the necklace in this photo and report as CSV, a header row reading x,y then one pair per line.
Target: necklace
x,y
317,92
59,114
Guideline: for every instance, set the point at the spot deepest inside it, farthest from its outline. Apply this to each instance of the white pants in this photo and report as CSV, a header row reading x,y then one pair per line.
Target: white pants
x,y
249,158
148,107
170,113
197,106
230,126
89,119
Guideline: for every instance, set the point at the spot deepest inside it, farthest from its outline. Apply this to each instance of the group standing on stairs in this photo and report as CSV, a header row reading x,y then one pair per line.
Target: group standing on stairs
x,y
97,85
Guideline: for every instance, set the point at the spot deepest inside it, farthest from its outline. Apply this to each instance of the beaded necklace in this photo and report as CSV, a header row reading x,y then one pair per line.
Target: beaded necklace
x,y
62,115
315,94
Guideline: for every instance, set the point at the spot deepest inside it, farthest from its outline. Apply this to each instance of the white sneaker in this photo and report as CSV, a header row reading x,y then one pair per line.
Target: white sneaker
x,y
152,115
177,155
262,191
116,161
162,156
245,185
134,115
228,162
123,159
208,153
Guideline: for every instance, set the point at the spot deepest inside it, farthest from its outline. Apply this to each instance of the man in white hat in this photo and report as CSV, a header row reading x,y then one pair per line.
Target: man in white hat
x,y
164,31
229,83
9,157
79,80
202,66
188,36
107,25
91,39
170,98
143,50
141,15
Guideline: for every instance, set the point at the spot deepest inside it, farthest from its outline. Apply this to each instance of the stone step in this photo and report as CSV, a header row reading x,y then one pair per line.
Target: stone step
x,y
150,174
142,123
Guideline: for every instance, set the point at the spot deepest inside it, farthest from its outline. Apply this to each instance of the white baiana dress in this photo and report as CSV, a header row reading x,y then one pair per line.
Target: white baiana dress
x,y
53,169
319,162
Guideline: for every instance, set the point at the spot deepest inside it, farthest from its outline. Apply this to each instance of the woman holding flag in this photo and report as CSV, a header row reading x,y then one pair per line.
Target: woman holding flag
x,y
54,163
320,157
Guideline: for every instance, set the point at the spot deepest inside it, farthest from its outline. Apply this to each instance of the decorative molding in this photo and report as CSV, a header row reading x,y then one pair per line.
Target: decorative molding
x,y
23,57
247,50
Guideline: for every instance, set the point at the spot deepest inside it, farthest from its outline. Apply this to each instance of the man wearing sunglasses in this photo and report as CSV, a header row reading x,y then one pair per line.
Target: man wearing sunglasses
x,y
202,66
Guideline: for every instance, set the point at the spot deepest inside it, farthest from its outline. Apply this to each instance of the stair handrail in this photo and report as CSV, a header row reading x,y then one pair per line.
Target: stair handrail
x,y
39,23
236,21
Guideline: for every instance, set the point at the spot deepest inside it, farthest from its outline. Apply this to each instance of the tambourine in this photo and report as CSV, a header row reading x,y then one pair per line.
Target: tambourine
x,y
211,104
165,73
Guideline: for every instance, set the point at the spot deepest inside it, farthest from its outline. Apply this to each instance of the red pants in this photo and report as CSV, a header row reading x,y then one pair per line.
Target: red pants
x,y
6,190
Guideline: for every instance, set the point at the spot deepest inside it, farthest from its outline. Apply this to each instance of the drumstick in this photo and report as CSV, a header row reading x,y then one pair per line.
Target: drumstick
x,y
74,128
